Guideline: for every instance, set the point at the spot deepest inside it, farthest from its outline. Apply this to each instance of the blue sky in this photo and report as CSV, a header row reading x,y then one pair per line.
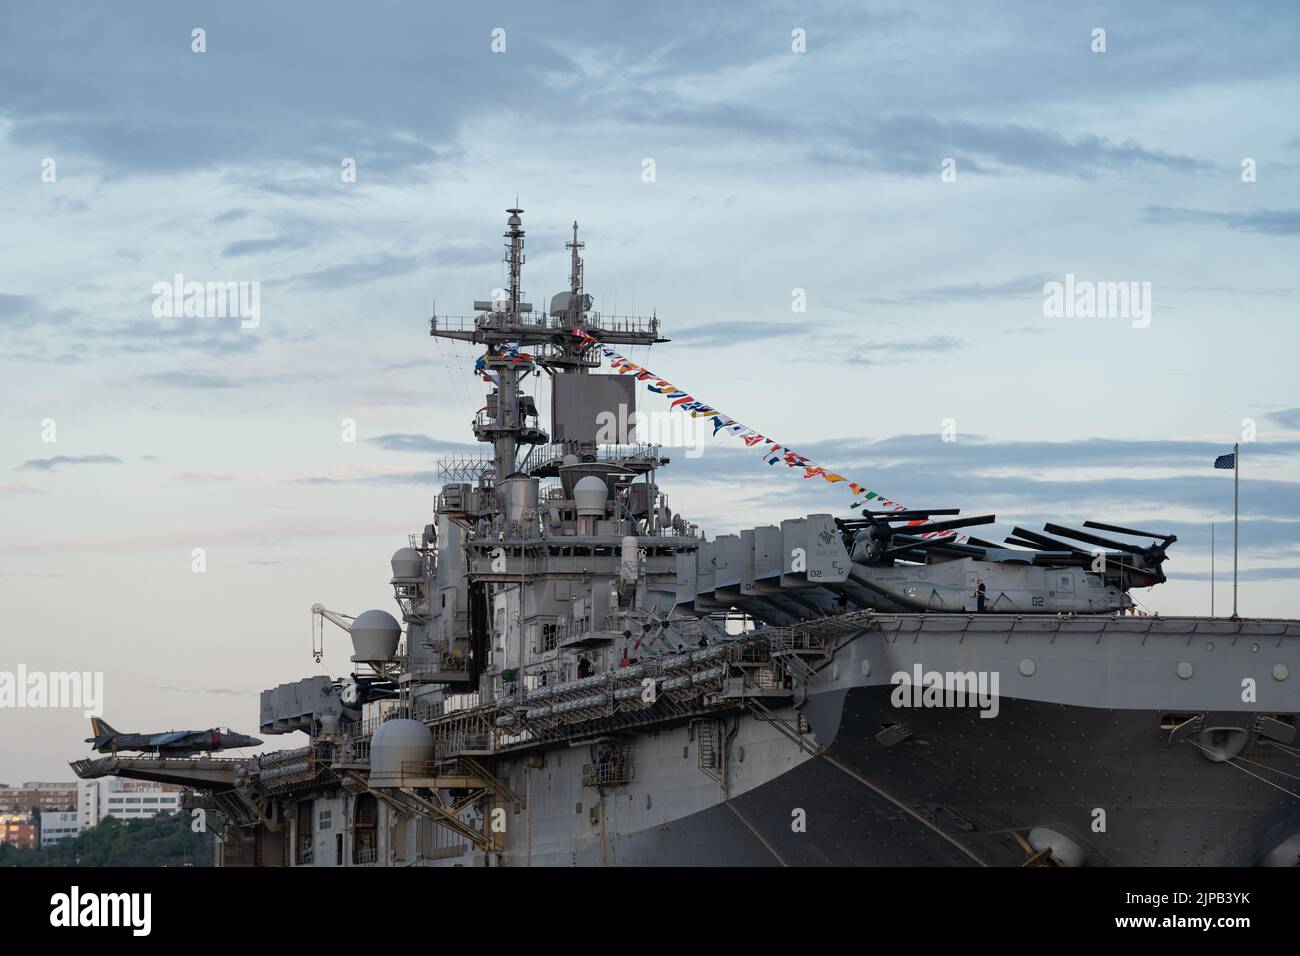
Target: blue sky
x,y
774,171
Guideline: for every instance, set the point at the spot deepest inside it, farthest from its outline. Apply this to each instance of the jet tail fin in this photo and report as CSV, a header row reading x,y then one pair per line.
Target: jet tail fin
x,y
101,730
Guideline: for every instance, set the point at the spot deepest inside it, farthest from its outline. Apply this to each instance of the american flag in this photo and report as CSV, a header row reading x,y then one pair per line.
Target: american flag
x,y
1226,461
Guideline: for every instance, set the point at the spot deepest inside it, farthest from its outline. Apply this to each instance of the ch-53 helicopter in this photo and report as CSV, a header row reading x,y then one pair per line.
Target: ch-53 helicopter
x,y
921,568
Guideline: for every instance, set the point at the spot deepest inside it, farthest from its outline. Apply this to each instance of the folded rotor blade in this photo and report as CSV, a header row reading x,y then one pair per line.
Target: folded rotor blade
x,y
1093,539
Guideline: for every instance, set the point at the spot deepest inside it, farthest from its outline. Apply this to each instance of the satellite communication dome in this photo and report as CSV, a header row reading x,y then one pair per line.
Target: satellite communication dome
x,y
407,563
395,743
589,496
374,636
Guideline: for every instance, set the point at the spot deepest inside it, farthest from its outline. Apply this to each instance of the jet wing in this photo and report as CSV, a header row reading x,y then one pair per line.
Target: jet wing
x,y
162,740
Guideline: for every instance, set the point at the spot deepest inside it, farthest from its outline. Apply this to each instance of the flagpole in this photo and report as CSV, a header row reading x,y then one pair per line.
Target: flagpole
x,y
1236,498
1211,569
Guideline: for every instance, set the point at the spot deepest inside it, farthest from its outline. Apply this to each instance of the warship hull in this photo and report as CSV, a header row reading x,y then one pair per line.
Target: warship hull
x,y
1194,782
957,792
849,766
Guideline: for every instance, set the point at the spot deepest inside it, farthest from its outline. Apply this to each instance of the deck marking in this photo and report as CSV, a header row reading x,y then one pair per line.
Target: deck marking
x,y
906,809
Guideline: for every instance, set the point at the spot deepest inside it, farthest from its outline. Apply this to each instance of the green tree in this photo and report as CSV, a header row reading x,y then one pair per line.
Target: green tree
x,y
164,840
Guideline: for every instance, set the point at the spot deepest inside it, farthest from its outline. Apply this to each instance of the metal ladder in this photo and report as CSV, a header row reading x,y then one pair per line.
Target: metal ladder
x,y
494,784
790,732
707,748
800,669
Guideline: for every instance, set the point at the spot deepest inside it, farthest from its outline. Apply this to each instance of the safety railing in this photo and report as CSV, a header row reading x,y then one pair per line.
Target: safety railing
x,y
642,451
614,772
419,769
455,744
596,323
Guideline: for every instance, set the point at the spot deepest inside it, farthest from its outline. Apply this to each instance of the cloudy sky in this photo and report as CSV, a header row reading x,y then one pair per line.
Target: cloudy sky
x,y
128,158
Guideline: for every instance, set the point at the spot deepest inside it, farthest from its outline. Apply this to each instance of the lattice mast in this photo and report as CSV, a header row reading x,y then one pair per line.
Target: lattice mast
x,y
521,342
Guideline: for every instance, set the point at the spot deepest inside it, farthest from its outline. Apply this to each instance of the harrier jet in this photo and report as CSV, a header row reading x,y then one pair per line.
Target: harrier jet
x,y
171,743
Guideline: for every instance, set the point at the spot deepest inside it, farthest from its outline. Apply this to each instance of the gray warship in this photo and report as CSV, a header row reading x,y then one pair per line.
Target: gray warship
x,y
576,676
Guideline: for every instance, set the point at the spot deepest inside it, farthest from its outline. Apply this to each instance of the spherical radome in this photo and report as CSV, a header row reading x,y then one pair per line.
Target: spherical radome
x,y
399,747
589,496
407,563
374,636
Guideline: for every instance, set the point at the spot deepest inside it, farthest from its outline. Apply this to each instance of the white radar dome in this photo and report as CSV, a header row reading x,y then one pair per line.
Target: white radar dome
x,y
589,496
374,636
407,563
399,747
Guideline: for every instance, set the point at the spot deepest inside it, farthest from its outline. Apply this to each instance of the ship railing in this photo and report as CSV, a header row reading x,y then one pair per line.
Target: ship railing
x,y
500,322
455,744
361,857
419,770
484,419
789,641
271,761
633,324
751,652
687,683
634,451
596,322
789,653
827,629
367,727
429,711
414,606
764,678
687,662
613,772
487,322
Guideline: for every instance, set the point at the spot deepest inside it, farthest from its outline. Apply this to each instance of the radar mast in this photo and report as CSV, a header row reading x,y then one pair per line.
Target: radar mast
x,y
521,342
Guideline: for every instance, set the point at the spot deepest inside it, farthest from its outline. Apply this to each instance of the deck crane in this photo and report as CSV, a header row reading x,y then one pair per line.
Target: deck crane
x,y
320,614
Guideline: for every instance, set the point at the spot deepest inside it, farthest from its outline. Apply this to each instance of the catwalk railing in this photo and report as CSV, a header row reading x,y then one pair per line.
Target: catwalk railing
x,y
722,676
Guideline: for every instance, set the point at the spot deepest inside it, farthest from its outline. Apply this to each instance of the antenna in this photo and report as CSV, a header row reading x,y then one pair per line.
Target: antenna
x,y
510,419
575,264
515,256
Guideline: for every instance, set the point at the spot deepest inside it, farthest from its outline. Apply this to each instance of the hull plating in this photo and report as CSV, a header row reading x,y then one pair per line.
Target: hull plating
x,y
953,792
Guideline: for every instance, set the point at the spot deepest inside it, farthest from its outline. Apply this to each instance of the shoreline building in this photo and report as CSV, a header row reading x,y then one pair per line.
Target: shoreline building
x,y
18,829
39,796
58,825
124,799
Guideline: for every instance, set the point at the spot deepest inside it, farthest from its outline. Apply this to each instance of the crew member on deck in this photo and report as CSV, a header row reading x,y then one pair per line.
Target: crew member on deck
x,y
979,597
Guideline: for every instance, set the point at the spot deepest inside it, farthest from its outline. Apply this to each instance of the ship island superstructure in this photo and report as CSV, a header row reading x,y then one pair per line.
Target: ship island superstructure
x,y
577,676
